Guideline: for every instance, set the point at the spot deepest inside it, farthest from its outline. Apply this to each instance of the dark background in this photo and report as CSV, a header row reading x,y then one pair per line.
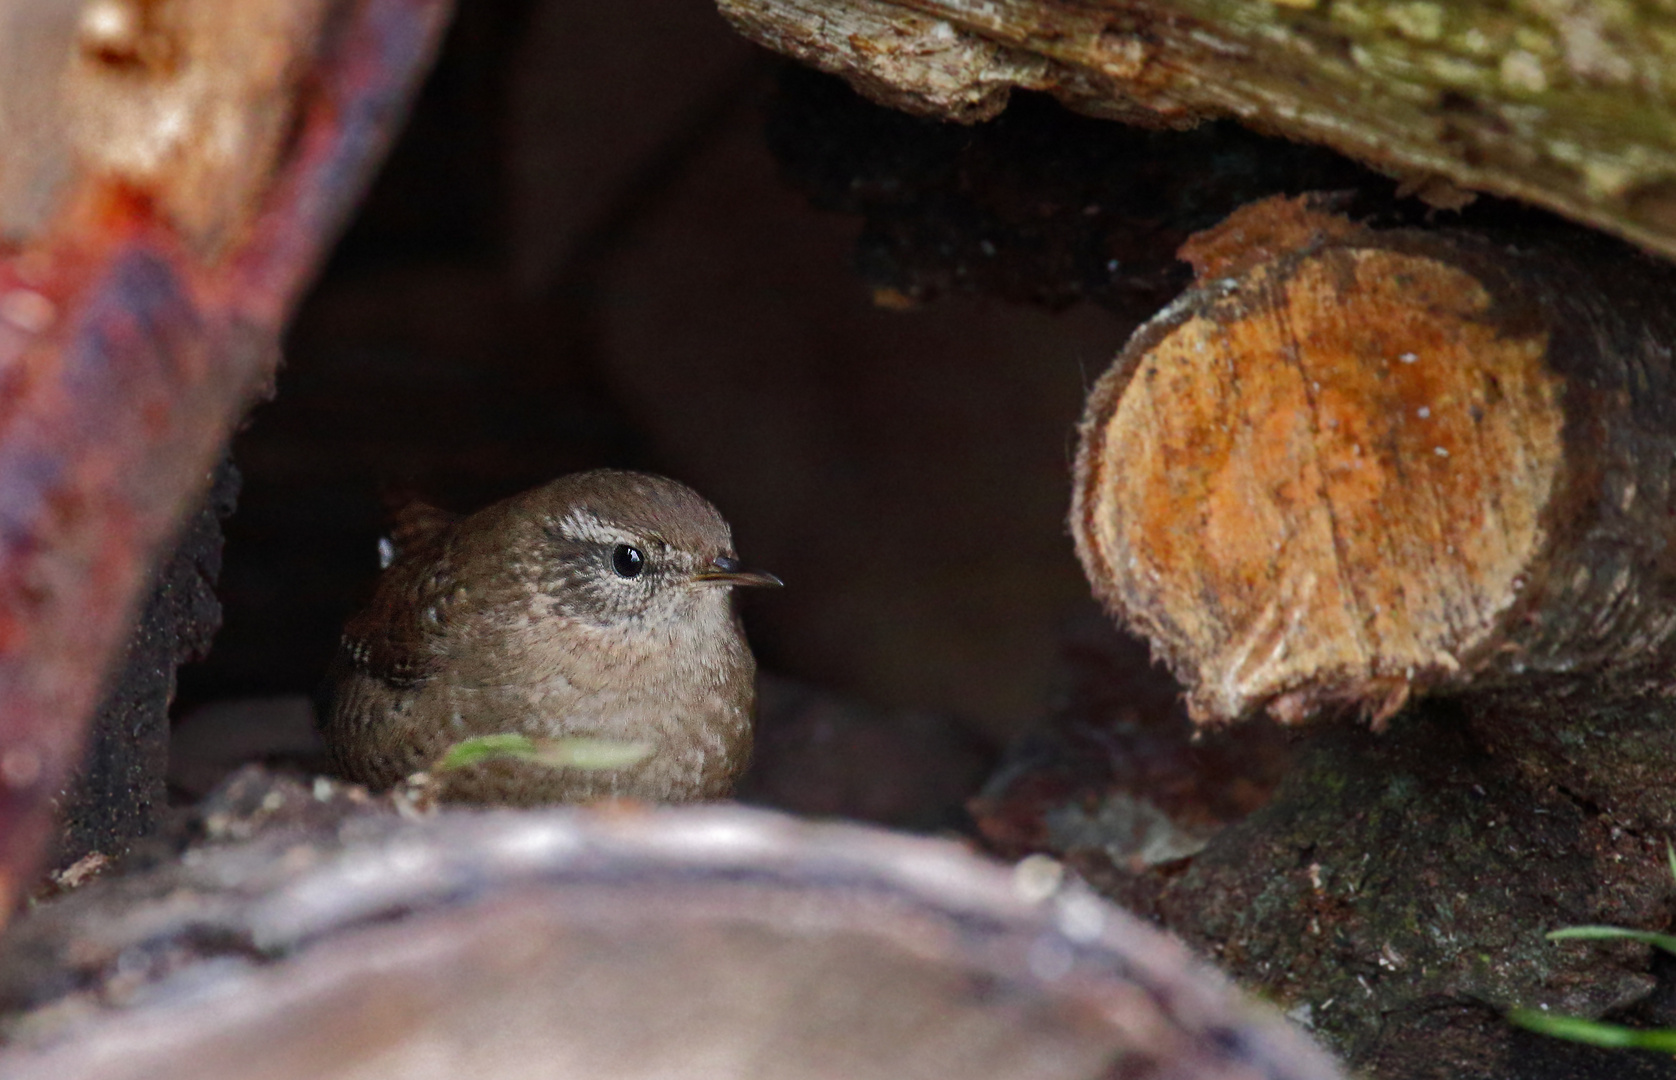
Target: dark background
x,y
583,252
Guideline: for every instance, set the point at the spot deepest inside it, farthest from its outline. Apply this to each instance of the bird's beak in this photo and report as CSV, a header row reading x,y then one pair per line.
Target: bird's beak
x,y
727,571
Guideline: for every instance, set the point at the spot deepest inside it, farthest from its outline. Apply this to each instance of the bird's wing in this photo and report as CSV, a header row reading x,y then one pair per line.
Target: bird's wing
x,y
400,635
415,524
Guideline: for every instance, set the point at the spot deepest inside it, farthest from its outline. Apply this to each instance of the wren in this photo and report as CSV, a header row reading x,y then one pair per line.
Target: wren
x,y
597,606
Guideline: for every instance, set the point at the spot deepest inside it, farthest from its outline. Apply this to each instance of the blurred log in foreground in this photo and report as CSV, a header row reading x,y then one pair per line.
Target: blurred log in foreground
x,y
170,175
695,942
1350,465
1558,105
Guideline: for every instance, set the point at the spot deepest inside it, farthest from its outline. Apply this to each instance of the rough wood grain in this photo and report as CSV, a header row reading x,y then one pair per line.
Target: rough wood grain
x,y
1563,105
1349,465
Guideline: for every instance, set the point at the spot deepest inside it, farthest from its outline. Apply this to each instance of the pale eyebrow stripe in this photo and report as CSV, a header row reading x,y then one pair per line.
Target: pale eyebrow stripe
x,y
579,524
586,527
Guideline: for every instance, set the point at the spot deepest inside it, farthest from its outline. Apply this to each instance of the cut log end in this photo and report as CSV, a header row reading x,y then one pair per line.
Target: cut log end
x,y
1324,481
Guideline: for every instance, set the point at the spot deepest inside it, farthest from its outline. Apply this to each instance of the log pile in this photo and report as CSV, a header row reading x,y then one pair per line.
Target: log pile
x,y
1422,478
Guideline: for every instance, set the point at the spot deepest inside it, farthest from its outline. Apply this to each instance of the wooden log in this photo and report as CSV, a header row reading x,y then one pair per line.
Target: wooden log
x,y
171,174
1557,105
119,793
1350,465
607,944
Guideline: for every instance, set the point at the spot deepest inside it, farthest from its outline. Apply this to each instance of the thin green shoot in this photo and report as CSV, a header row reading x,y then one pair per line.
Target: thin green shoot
x,y
569,753
1595,1032
1667,942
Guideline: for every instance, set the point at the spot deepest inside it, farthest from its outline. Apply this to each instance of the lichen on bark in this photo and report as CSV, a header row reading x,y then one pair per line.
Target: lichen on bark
x,y
1563,104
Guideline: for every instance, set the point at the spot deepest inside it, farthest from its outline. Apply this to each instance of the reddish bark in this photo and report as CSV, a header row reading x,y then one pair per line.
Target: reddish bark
x,y
131,340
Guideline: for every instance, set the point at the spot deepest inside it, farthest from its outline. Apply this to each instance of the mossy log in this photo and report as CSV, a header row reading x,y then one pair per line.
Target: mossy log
x,y
1350,465
1566,106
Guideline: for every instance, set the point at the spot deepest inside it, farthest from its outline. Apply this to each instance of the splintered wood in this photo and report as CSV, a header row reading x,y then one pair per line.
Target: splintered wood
x,y
1350,465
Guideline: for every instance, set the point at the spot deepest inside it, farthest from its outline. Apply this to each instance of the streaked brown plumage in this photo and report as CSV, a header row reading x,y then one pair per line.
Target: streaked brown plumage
x,y
594,606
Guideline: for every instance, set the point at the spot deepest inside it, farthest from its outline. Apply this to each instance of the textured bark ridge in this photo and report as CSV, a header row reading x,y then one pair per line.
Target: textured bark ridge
x,y
1349,465
118,793
1555,104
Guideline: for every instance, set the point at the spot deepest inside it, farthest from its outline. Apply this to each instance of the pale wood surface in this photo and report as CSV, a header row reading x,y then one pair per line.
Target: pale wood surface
x,y
345,942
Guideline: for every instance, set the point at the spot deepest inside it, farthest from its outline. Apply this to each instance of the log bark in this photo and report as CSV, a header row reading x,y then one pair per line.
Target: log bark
x,y
172,173
119,792
1562,106
341,940
1351,465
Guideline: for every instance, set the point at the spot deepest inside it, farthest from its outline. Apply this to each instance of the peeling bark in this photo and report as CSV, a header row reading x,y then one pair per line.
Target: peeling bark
x,y
1040,205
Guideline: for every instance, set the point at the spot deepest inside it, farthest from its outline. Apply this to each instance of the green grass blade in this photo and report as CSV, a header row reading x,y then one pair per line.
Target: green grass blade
x,y
590,753
482,748
1595,1033
1667,942
575,753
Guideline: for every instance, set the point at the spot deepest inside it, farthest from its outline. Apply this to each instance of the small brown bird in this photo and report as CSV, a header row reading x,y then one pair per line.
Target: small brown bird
x,y
594,607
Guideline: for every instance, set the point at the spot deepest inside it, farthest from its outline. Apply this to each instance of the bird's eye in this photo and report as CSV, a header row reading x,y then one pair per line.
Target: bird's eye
x,y
627,561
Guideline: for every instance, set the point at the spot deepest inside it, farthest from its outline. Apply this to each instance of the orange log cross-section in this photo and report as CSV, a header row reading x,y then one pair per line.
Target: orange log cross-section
x,y
1350,465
